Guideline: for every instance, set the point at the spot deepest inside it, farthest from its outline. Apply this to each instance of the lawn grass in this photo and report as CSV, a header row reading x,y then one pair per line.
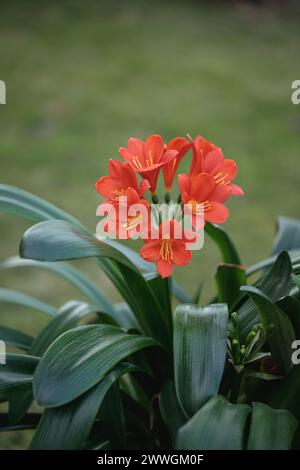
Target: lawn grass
x,y
83,76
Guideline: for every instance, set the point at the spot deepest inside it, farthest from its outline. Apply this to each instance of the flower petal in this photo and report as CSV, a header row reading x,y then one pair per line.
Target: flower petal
x,y
201,187
151,250
144,186
212,160
184,186
236,190
181,256
164,268
217,214
136,147
106,184
153,148
221,193
227,170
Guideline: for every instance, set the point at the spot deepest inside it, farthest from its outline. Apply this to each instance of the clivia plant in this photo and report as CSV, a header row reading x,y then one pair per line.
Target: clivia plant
x,y
159,370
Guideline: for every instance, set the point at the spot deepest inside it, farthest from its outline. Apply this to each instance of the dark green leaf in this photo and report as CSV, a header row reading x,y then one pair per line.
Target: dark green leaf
x,y
56,240
267,263
296,280
16,374
68,317
276,284
171,411
23,204
10,296
278,327
68,426
225,244
285,393
15,338
288,235
218,425
229,279
19,402
79,359
200,343
291,306
70,274
270,429
112,418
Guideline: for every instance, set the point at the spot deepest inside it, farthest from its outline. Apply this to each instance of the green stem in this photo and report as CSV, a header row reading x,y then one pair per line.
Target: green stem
x,y
234,395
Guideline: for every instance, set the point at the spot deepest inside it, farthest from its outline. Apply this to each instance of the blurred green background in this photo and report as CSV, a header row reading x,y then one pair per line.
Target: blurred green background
x,y
82,76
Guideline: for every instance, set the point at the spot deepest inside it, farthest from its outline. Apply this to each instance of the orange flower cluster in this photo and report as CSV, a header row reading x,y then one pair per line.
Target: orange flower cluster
x,y
203,191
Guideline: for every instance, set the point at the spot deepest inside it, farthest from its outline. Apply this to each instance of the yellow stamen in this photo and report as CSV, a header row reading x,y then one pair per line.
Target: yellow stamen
x,y
137,163
220,178
132,222
118,192
199,207
166,251
149,162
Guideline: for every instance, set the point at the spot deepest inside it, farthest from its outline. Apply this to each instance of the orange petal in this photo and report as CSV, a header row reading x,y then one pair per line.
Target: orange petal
x,y
181,256
153,148
217,214
201,187
151,250
164,268
236,190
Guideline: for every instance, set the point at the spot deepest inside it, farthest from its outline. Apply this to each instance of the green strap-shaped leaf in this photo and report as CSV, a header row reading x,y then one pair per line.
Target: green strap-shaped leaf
x,y
225,244
19,402
171,411
79,358
218,425
68,426
70,274
24,204
56,240
15,338
267,263
276,284
16,374
200,343
10,296
229,279
288,235
278,327
68,317
134,257
148,269
270,429
285,393
111,415
291,306
296,280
